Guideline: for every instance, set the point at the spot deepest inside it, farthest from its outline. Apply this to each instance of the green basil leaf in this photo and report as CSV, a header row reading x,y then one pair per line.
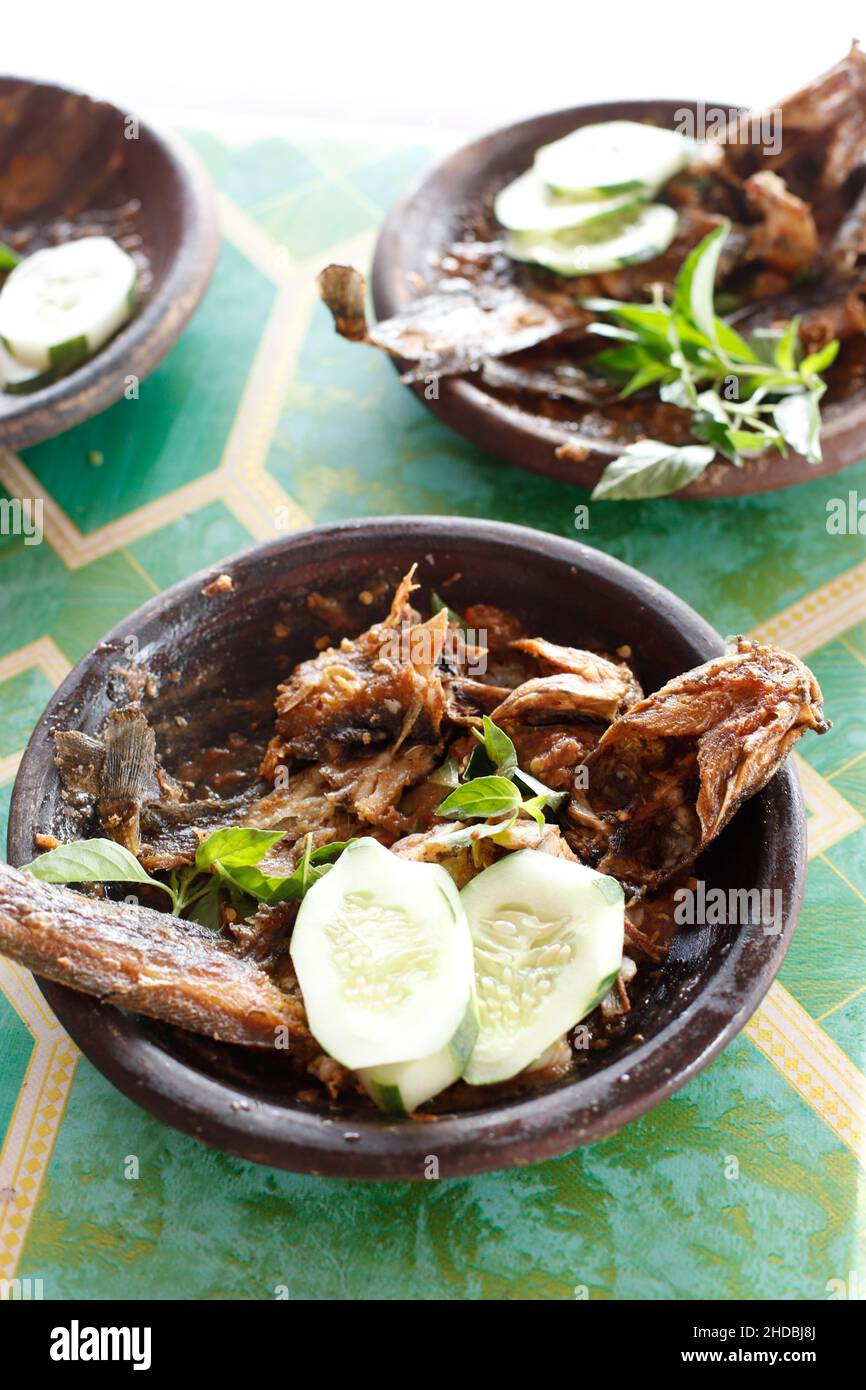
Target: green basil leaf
x,y
91,861
733,344
650,468
534,807
624,361
313,864
249,879
695,283
468,834
554,800
718,434
645,376
205,910
8,261
765,343
785,356
799,422
498,746
480,798
819,361
447,775
327,854
751,441
437,604
235,846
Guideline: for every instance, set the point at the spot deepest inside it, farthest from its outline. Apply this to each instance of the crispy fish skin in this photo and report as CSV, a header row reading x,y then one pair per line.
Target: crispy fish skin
x,y
595,693
672,771
378,688
597,670
146,961
453,329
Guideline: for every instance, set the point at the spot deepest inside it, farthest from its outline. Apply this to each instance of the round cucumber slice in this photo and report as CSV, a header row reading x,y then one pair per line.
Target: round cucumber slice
x,y
18,379
528,204
612,157
61,304
383,955
548,937
400,1087
608,244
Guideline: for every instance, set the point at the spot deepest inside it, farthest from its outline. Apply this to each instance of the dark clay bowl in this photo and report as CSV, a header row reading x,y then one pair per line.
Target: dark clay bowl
x,y
429,218
68,166
226,647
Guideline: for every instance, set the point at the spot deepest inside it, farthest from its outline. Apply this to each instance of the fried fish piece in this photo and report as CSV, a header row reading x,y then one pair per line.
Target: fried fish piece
x,y
668,775
551,752
786,237
376,688
302,807
593,668
138,802
371,788
453,329
600,690
119,773
145,961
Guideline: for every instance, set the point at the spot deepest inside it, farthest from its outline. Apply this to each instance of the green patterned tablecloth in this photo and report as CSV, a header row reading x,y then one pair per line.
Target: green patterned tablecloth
x,y
745,1184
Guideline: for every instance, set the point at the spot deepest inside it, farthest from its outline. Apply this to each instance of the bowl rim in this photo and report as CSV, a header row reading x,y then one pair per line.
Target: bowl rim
x,y
526,441
142,343
527,1130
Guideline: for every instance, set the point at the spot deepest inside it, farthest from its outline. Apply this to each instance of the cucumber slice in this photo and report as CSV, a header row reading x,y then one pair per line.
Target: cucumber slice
x,y
612,157
609,244
61,304
548,939
528,204
400,1087
383,956
18,379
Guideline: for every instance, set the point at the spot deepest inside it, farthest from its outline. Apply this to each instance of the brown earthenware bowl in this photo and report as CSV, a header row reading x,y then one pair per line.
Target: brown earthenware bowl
x,y
429,218
232,645
69,165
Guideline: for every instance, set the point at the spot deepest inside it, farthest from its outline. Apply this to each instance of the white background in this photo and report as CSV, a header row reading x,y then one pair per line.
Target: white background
x,y
458,66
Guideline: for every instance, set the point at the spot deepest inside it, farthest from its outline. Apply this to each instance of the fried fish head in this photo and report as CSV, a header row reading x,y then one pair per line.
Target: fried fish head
x,y
669,775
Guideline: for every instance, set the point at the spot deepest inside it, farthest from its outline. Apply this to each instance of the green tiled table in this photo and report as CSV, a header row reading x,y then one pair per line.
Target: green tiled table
x,y
748,1182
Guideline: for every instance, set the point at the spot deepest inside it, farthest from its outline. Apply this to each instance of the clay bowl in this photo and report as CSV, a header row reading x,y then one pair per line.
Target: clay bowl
x,y
69,164
225,648
429,218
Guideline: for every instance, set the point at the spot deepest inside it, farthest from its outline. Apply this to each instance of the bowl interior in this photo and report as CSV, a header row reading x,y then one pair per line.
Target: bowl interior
x,y
70,166
437,212
230,650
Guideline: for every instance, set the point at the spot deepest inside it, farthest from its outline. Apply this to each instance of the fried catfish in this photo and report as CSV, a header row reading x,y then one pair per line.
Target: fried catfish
x,y
146,961
378,688
452,330
668,775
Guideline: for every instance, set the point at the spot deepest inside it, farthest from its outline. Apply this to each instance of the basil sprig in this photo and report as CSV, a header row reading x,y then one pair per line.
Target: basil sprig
x,y
493,785
480,798
745,395
92,861
229,857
